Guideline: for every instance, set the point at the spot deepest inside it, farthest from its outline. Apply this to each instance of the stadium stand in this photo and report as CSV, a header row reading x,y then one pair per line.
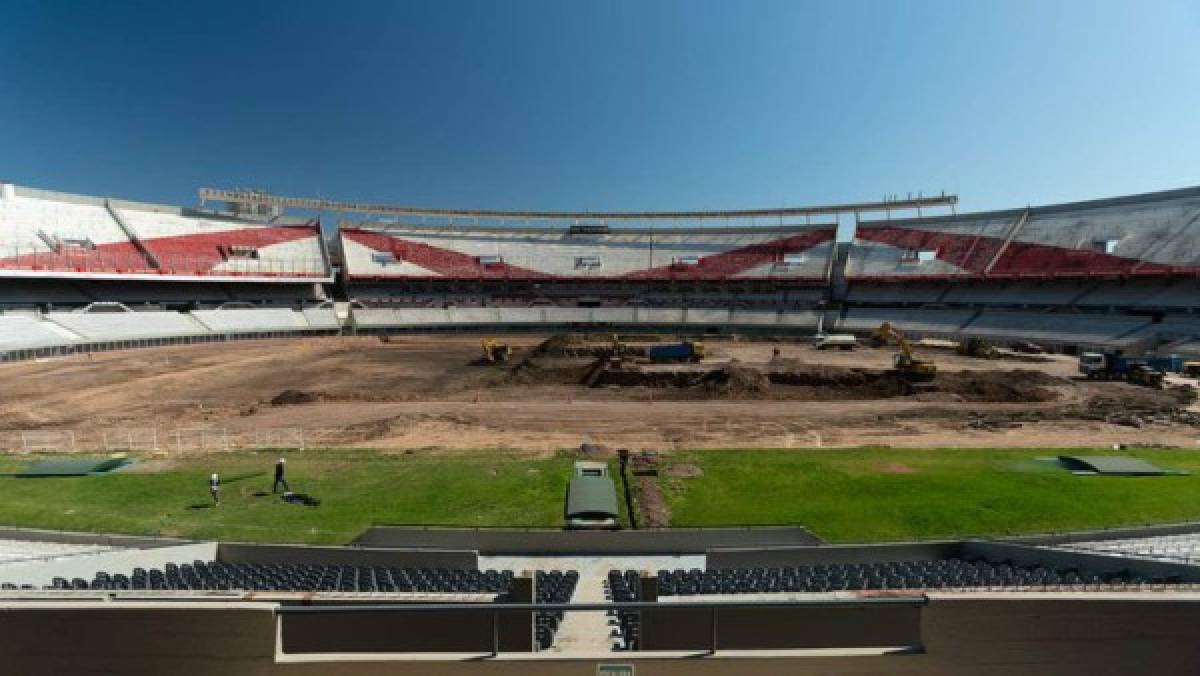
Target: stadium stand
x,y
410,251
48,234
882,575
1139,235
917,322
218,576
1059,329
625,587
29,333
1113,273
551,587
251,320
118,322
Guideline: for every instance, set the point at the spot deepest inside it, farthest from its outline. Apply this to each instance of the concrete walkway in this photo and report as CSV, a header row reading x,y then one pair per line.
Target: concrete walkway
x,y
588,632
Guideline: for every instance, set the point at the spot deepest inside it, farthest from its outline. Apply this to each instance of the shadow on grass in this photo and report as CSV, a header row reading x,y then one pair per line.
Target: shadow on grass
x,y
241,477
202,505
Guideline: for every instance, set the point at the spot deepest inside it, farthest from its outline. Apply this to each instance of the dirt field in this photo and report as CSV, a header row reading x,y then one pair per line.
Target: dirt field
x,y
427,392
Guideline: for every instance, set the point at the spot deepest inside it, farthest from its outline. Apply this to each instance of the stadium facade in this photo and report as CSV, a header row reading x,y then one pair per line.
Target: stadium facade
x,y
1111,273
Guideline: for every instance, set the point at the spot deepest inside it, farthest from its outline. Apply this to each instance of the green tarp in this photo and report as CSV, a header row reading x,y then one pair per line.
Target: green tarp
x,y
591,496
72,467
1111,464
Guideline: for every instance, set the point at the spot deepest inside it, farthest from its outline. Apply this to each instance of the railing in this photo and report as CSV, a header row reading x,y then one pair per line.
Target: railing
x,y
26,354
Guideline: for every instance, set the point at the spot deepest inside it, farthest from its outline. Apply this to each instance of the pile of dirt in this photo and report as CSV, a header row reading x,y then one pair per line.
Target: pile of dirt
x,y
735,380
684,470
1019,385
294,397
731,381
543,371
653,511
556,344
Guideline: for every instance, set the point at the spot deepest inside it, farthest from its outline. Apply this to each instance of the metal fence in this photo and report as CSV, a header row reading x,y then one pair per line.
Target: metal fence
x,y
151,439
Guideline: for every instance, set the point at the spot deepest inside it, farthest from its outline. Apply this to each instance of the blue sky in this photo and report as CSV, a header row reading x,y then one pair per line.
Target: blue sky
x,y
603,105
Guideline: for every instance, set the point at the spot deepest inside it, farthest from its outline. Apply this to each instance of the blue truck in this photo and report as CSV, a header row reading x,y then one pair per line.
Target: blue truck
x,y
1113,365
686,351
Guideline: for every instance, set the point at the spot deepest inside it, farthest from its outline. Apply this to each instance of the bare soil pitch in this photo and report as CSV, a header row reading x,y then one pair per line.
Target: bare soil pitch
x,y
431,392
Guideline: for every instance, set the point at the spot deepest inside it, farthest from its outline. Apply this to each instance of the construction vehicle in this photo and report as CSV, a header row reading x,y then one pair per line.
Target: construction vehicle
x,y
687,351
908,366
829,341
1149,371
1026,347
495,351
978,348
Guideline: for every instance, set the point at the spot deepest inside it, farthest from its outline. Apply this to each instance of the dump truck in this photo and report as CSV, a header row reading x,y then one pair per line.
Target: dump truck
x,y
687,351
1148,371
591,498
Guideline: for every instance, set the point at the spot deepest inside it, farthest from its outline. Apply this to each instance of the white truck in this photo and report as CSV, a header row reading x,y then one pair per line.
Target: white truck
x,y
830,341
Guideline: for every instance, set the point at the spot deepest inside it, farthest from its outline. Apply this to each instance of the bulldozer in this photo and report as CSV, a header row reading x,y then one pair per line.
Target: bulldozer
x,y
978,348
495,351
909,367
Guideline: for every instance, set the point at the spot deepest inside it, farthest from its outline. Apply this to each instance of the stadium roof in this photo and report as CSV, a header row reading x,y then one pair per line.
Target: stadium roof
x,y
256,197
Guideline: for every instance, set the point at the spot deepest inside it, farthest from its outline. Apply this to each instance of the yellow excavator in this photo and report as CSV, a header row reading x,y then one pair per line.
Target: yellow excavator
x,y
495,351
909,367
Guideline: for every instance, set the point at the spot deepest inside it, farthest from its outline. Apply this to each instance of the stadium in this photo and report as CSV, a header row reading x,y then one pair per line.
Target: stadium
x,y
973,429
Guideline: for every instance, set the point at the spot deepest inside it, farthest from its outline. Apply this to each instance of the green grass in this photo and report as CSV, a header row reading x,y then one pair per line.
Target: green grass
x,y
842,495
857,494
357,489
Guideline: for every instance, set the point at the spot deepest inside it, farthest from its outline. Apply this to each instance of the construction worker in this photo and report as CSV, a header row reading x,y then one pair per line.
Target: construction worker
x,y
280,471
214,489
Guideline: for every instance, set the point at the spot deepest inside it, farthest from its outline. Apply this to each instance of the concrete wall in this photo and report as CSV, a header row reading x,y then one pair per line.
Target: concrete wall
x,y
354,556
781,628
461,632
776,557
535,541
40,573
961,635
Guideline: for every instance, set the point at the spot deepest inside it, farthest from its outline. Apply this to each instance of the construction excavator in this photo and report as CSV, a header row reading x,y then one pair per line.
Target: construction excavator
x,y
978,348
495,351
911,368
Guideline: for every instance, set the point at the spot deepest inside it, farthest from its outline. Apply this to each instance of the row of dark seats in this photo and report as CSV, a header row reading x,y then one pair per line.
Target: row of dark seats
x,y
551,587
215,576
624,587
938,574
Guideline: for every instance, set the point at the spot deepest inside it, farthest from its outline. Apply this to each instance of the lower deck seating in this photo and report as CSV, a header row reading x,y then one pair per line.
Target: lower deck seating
x,y
29,332
124,325
552,587
917,322
625,587
251,320
212,575
1051,328
936,574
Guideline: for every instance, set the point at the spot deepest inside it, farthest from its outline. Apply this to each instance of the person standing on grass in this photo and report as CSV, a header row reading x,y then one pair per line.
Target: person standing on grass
x,y
214,488
280,471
